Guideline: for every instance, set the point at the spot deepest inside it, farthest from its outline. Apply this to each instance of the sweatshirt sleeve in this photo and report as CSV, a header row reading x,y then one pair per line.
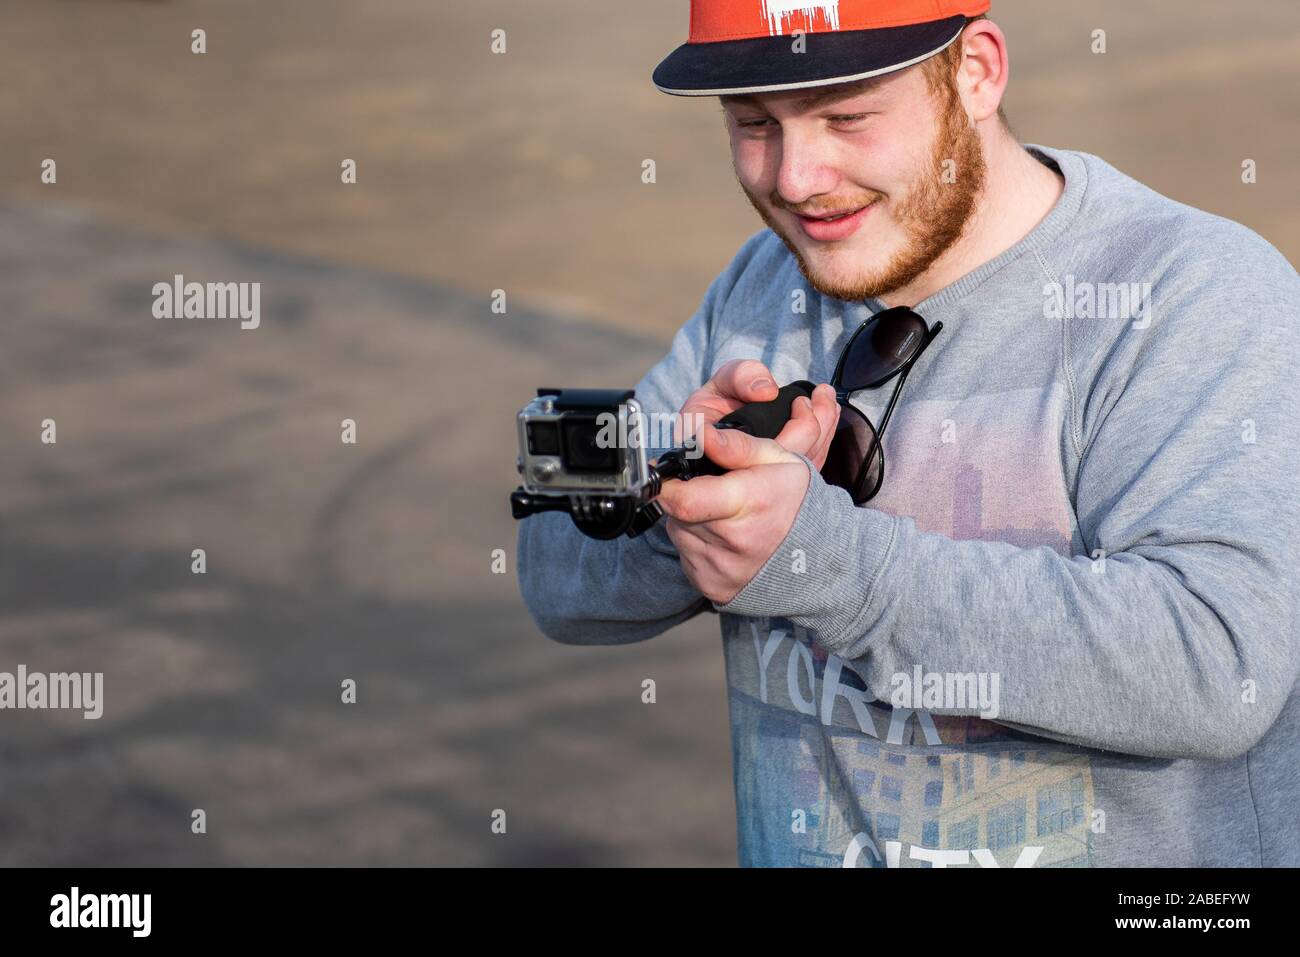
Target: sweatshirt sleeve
x,y
580,590
1177,633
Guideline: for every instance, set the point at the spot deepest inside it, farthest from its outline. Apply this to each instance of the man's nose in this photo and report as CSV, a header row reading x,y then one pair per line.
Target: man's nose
x,y
805,169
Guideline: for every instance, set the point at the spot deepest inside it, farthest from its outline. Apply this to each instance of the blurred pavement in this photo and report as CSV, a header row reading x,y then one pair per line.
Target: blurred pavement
x,y
325,561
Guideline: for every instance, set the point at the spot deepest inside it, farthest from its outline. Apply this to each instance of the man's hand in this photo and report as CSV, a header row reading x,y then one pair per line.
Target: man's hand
x,y
741,381
726,527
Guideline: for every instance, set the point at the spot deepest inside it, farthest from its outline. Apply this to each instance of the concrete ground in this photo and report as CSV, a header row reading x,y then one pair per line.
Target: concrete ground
x,y
325,561
373,562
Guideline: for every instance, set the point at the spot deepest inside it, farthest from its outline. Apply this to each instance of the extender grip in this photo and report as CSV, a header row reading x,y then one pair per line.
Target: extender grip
x,y
765,420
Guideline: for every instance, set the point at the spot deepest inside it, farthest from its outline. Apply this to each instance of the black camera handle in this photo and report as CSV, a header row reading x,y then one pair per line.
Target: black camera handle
x,y
764,420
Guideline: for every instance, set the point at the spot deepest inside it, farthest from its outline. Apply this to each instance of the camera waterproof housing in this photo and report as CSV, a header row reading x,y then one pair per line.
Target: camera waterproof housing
x,y
581,451
566,445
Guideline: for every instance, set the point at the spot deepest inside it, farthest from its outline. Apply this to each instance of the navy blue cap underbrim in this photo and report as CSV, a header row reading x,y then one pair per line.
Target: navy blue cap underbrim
x,y
767,64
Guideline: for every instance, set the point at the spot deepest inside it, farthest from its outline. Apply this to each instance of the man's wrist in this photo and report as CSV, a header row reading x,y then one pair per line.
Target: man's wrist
x,y
821,574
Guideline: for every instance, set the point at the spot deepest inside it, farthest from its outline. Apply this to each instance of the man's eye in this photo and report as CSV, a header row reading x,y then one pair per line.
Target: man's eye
x,y
847,118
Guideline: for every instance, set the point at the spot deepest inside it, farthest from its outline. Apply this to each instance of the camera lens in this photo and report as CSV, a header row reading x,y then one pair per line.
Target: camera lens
x,y
582,450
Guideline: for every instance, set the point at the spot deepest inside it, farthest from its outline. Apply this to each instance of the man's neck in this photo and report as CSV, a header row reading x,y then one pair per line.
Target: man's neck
x,y
1019,192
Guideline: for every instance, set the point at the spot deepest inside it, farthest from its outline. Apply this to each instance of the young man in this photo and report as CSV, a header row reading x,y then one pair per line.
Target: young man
x,y
1065,631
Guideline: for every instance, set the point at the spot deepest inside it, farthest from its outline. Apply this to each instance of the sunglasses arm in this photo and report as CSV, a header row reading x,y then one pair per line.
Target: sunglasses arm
x,y
898,389
877,444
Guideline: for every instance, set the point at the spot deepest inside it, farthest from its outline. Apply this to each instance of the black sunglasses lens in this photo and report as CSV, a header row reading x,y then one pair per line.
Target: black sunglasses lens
x,y
846,462
890,340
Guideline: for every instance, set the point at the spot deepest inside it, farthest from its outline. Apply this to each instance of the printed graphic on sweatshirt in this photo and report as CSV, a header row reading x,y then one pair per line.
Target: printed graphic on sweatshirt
x,y
826,775
987,467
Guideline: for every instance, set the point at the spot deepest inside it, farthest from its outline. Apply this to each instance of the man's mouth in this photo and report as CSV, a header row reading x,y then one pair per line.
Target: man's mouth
x,y
834,226
831,217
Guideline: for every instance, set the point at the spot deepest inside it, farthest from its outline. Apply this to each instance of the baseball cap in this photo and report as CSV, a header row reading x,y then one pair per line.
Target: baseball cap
x,y
746,46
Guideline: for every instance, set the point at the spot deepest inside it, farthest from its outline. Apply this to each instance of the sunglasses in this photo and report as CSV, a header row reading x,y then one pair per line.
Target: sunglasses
x,y
886,345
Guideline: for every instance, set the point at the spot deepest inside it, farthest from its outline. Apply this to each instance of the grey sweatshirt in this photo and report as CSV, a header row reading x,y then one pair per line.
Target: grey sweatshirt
x,y
1065,632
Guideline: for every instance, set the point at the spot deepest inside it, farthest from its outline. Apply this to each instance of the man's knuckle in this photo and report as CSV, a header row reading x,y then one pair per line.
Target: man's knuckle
x,y
730,536
687,511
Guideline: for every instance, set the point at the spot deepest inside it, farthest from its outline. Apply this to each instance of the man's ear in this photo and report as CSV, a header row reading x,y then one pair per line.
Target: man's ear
x,y
984,70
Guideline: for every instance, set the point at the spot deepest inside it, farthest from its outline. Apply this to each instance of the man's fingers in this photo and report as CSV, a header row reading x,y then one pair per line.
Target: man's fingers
x,y
736,383
827,409
692,541
803,430
704,499
733,449
709,406
713,497
812,425
747,380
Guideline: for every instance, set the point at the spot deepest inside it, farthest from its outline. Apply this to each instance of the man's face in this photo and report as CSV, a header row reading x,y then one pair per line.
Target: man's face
x,y
909,156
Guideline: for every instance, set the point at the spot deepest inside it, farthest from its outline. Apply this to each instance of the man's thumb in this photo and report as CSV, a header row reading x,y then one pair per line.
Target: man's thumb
x,y
733,449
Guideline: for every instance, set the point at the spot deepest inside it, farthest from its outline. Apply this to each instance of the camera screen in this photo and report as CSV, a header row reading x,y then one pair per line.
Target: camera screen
x,y
543,438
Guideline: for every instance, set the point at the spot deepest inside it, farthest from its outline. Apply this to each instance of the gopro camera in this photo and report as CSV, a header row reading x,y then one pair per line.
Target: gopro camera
x,y
583,451
582,441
